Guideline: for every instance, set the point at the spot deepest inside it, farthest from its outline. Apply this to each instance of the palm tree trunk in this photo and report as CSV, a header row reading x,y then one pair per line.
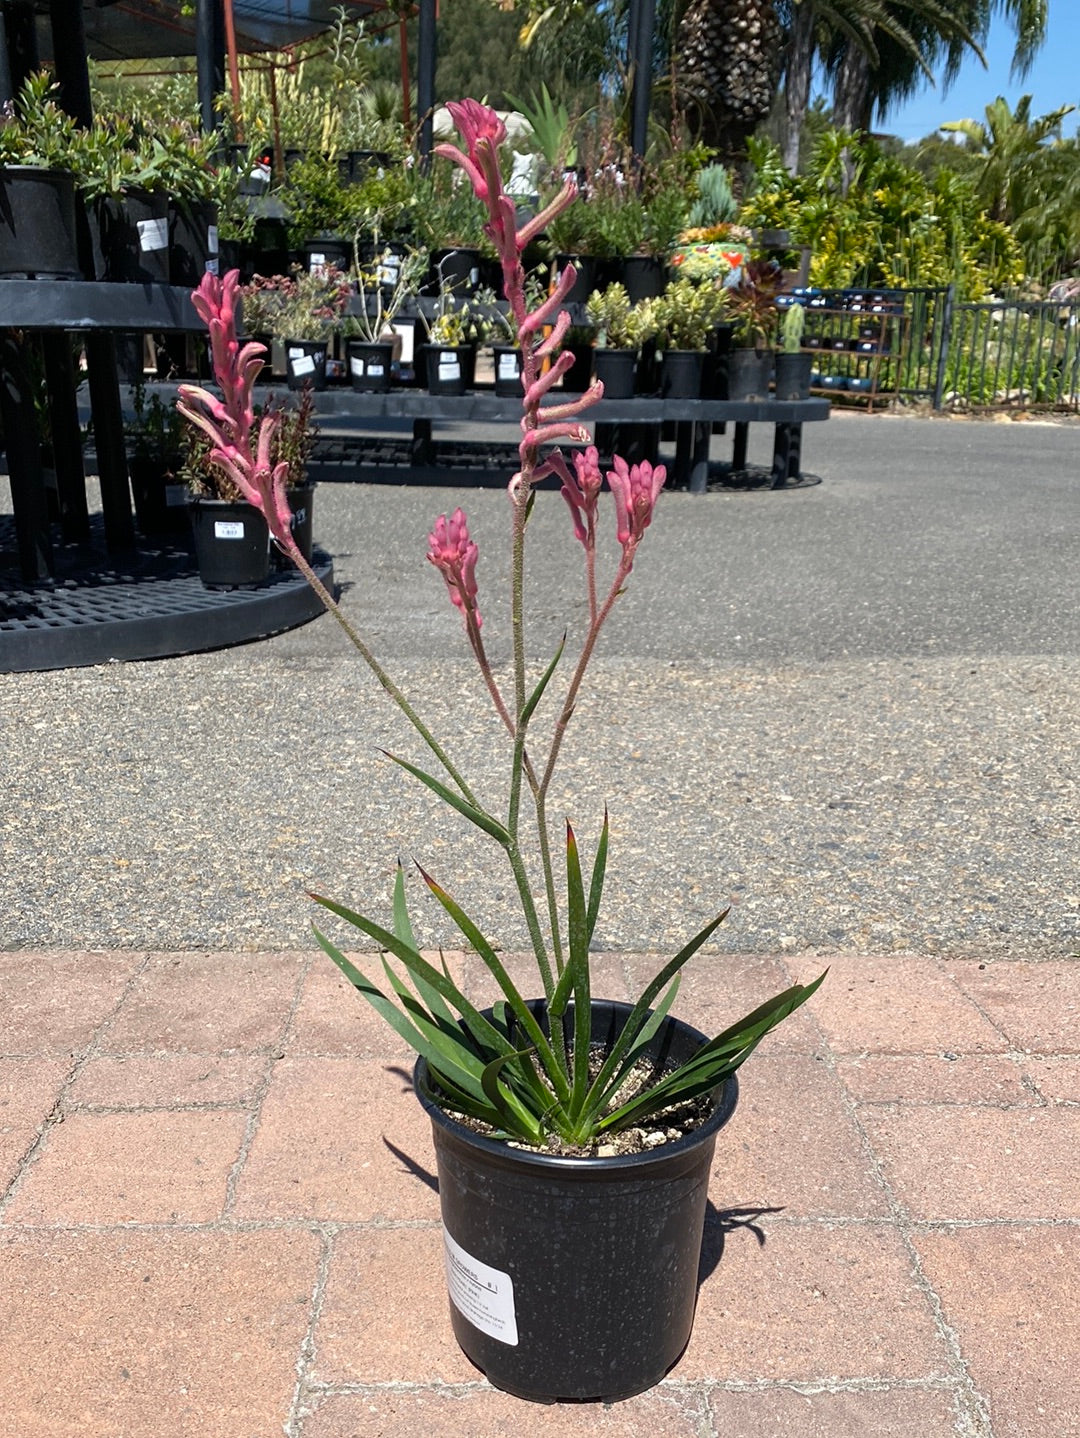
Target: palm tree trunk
x,y
797,74
851,90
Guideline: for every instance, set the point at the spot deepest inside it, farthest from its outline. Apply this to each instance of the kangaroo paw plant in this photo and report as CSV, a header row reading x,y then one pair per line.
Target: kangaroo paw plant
x,y
526,1072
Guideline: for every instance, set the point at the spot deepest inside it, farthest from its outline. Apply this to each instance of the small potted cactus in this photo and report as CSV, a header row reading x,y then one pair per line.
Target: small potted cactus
x,y
792,366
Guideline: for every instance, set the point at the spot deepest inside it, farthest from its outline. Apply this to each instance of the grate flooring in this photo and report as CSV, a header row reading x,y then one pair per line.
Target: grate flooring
x,y
149,604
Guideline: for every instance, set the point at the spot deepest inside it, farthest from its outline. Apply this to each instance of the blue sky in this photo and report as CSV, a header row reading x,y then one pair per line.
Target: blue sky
x,y
1053,80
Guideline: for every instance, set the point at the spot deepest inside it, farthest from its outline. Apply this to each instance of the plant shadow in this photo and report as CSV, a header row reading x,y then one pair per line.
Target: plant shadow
x,y
719,1222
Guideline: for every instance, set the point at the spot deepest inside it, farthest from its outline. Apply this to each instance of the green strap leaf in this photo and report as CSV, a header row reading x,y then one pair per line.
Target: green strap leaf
x,y
475,816
577,963
522,1012
404,931
512,1115
596,887
535,697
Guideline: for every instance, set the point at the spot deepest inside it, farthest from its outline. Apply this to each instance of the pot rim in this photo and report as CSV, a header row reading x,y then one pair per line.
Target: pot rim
x,y
638,1163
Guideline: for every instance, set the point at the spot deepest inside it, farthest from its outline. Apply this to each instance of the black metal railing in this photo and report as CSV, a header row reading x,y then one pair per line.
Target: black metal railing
x,y
1014,354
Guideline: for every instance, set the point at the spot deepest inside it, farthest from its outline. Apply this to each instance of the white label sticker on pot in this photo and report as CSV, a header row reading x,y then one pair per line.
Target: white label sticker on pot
x,y
212,239
449,367
484,1295
228,529
301,363
153,234
356,366
508,367
375,369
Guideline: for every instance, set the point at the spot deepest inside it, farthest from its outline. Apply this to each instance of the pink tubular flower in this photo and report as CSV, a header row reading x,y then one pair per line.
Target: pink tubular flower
x,y
238,450
454,555
636,489
581,491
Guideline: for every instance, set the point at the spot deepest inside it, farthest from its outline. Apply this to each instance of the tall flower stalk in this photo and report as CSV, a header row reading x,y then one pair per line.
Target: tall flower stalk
x,y
532,1081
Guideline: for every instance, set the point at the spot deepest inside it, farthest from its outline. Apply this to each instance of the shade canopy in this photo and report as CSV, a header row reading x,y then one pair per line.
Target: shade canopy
x,y
153,29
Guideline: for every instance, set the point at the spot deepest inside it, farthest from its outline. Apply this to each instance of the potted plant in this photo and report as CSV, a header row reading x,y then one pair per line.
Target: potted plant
x,y
503,336
38,236
568,240
322,213
184,163
232,538
301,312
573,1136
752,308
155,438
621,329
793,367
448,220
370,339
684,318
127,206
454,326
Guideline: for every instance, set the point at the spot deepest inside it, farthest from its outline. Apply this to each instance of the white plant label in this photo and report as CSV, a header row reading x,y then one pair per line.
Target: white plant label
x,y
153,235
301,363
484,1295
449,367
228,529
212,239
508,367
375,370
356,367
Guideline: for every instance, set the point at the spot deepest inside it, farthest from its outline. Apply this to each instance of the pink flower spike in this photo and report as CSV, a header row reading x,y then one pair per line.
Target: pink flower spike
x,y
636,489
582,492
454,555
476,122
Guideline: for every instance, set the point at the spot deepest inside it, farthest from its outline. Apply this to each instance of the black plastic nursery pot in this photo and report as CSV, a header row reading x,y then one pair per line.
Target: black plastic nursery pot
x,y
450,368
584,269
302,505
305,362
37,224
507,371
193,241
455,269
129,237
617,370
748,374
793,375
370,365
681,374
232,543
643,277
575,1278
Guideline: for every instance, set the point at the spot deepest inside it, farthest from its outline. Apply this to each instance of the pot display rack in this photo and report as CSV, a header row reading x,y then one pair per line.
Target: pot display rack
x,y
856,338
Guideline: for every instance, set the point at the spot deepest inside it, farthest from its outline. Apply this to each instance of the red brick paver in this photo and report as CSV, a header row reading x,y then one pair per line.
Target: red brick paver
x,y
218,1216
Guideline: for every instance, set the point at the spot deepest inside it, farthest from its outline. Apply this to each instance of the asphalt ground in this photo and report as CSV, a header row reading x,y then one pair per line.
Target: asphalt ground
x,y
849,710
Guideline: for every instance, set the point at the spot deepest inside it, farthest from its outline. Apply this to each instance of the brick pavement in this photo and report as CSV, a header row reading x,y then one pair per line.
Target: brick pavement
x,y
219,1219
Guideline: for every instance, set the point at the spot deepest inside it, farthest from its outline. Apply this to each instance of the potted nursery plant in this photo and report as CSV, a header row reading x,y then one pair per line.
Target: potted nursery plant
x,y
503,337
232,539
301,312
621,329
370,340
38,235
127,206
684,318
183,161
752,309
448,220
793,366
454,327
573,1136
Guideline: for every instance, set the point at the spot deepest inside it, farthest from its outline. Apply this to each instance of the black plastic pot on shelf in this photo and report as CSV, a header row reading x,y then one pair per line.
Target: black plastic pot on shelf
x,y
302,504
161,501
454,269
38,235
369,365
232,543
507,371
575,1278
748,374
616,369
681,373
193,241
331,252
793,375
585,268
129,237
305,363
642,276
451,369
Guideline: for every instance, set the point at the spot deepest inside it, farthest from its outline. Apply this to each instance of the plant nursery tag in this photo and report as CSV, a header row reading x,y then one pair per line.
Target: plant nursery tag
x,y
508,367
153,234
228,529
212,239
375,370
484,1295
356,366
301,363
449,367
